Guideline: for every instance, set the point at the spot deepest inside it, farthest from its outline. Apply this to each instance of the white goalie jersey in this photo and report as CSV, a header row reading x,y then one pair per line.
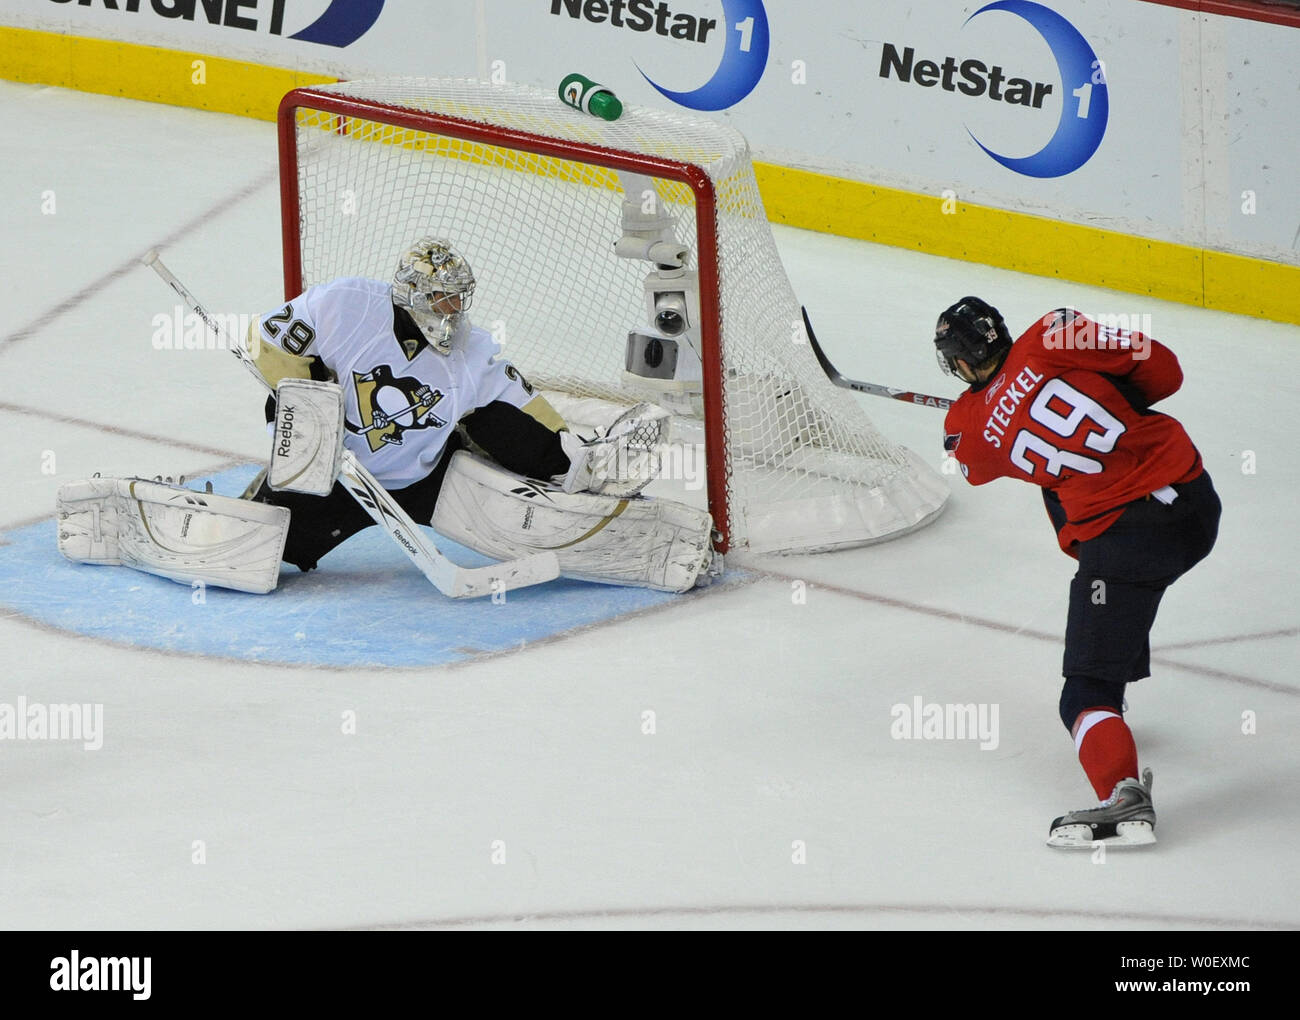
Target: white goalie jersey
x,y
401,399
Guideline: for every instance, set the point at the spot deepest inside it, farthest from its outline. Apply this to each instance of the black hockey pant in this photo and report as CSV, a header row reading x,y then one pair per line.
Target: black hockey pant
x,y
1122,576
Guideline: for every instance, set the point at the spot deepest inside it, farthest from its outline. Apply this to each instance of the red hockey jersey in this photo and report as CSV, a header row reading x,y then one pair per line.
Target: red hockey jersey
x,y
1070,411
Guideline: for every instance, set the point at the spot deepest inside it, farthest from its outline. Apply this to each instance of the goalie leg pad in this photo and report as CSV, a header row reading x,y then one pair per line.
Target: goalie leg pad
x,y
651,543
307,441
173,532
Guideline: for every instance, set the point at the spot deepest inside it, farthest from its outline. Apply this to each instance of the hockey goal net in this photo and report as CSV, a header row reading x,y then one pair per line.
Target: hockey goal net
x,y
580,232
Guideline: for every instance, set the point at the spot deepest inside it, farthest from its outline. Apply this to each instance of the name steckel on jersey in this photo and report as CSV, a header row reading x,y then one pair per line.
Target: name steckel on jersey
x,y
397,419
1076,419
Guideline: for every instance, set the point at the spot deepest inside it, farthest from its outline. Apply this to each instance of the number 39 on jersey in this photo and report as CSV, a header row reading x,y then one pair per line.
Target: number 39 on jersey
x,y
1064,412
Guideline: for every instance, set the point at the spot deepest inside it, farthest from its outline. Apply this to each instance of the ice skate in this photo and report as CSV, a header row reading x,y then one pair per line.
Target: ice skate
x,y
1126,818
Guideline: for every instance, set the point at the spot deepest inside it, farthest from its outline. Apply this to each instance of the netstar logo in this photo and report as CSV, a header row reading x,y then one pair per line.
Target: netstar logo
x,y
639,16
1085,107
342,23
977,79
744,58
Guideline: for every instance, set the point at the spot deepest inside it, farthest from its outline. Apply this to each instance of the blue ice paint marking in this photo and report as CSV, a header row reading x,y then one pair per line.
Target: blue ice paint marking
x,y
366,605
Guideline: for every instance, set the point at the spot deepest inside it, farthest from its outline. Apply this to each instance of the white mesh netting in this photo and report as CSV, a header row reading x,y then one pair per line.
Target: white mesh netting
x,y
804,467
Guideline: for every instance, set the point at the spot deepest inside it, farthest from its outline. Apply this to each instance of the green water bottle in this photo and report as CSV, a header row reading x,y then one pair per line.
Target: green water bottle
x,y
584,94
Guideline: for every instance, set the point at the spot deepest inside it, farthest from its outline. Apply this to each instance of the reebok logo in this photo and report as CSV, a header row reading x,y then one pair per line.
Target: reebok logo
x,y
285,446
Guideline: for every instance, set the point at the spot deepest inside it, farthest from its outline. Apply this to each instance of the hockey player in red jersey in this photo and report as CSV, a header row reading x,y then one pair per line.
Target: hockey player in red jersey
x,y
1067,406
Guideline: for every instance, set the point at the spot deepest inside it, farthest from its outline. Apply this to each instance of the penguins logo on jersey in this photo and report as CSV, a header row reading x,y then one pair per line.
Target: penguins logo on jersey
x,y
391,405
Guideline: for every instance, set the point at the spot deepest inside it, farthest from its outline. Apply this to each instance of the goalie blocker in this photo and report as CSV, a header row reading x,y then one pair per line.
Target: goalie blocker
x,y
306,436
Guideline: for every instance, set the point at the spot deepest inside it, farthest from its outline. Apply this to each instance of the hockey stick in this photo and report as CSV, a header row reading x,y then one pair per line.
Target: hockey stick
x,y
924,399
387,419
452,580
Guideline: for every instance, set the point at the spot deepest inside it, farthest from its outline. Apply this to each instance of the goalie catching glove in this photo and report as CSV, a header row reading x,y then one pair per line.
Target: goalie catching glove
x,y
623,461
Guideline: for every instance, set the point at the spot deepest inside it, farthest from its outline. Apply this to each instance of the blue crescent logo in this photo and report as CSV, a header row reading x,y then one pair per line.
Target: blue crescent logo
x,y
342,23
1083,121
743,61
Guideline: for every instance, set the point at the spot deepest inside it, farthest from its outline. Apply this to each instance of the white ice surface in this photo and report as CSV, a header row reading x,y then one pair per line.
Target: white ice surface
x,y
772,718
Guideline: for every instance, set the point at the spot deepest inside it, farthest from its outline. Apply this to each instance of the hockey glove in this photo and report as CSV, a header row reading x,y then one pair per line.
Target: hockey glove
x,y
624,460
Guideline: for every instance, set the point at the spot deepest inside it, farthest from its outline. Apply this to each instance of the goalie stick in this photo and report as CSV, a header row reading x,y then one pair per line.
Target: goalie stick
x,y
876,390
452,580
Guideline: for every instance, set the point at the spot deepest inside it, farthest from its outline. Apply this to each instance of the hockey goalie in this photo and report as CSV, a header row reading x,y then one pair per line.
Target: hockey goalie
x,y
395,373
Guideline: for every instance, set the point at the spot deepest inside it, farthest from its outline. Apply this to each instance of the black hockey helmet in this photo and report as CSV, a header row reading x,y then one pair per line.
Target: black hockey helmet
x,y
972,330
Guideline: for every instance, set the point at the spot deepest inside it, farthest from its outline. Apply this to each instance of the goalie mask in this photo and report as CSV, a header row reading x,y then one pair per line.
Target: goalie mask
x,y
435,285
971,330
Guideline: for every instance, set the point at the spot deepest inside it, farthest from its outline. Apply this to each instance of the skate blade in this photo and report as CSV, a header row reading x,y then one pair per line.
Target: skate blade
x,y
1081,836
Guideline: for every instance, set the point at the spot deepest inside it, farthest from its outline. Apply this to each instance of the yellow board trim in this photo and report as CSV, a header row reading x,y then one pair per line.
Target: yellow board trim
x,y
1031,244
799,198
150,73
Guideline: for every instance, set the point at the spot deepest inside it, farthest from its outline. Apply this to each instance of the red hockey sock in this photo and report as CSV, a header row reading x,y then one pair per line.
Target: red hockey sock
x,y
1106,749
